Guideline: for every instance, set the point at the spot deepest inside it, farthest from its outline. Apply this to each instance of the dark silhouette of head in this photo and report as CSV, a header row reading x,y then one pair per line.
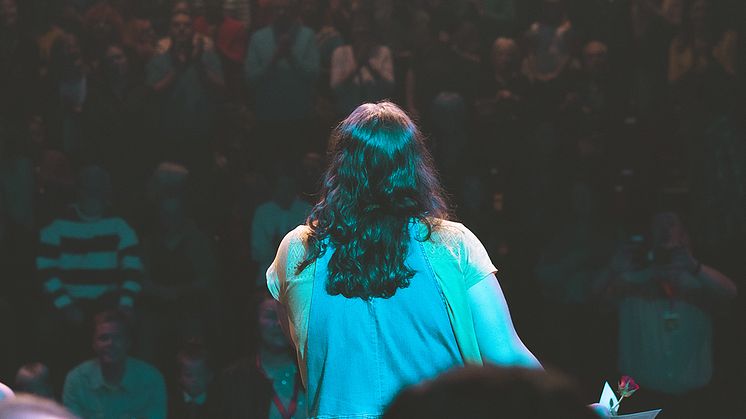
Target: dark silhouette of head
x,y
490,392
27,406
380,178
34,378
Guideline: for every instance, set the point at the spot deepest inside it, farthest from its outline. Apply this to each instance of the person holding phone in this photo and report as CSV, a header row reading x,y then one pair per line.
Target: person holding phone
x,y
380,289
666,299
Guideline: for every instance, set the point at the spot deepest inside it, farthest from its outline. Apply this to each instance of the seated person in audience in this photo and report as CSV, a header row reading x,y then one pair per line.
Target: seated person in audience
x,y
361,71
188,401
87,260
179,285
266,385
113,384
33,378
550,42
281,69
27,406
667,300
187,77
273,219
490,392
282,63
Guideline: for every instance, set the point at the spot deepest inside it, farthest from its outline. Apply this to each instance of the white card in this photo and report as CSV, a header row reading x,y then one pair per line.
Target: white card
x,y
608,398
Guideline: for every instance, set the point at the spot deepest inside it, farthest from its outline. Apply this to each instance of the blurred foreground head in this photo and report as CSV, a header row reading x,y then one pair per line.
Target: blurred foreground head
x,y
490,392
26,406
33,378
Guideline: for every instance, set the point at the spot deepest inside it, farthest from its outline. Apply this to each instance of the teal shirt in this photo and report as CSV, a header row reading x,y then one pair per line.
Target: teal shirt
x,y
140,394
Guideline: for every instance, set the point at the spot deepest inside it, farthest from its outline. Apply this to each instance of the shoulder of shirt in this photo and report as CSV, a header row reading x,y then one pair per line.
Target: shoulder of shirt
x,y
443,228
85,368
448,240
264,32
266,206
298,235
145,368
306,31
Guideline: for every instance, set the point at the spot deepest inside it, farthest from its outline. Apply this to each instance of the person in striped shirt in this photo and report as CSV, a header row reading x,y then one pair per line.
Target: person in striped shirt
x,y
87,261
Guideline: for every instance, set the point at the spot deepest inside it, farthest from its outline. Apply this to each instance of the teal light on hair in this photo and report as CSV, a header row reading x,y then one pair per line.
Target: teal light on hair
x,y
380,177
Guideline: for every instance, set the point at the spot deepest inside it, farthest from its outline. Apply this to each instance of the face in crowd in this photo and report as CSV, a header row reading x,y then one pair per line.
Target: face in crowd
x,y
8,13
272,336
194,376
182,30
110,342
116,61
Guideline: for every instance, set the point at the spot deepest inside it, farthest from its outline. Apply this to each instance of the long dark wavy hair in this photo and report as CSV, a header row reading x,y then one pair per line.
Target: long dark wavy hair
x,y
380,177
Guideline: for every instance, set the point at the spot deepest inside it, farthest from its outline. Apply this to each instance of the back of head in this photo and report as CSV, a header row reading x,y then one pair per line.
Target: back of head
x,y
26,406
5,392
34,378
490,392
379,178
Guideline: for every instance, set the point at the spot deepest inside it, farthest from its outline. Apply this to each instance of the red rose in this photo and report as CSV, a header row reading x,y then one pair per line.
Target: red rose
x,y
627,386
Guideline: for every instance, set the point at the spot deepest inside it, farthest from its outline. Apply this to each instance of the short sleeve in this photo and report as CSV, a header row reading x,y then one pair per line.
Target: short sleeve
x,y
273,281
277,272
475,262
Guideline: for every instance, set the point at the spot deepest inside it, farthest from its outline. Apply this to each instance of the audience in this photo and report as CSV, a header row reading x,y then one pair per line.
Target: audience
x,y
281,67
189,400
557,126
88,259
187,75
550,43
119,124
667,299
114,384
361,71
272,220
179,287
267,384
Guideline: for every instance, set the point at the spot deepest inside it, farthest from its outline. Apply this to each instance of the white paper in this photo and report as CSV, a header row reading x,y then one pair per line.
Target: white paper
x,y
650,414
608,398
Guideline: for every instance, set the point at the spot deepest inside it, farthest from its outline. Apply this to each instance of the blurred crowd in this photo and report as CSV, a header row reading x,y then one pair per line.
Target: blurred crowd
x,y
153,153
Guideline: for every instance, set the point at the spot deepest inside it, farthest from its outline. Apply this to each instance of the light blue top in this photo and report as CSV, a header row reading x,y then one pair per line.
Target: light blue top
x,y
362,353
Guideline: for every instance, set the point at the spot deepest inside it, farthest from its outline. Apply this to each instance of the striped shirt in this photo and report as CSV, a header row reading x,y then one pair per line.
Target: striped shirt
x,y
85,259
